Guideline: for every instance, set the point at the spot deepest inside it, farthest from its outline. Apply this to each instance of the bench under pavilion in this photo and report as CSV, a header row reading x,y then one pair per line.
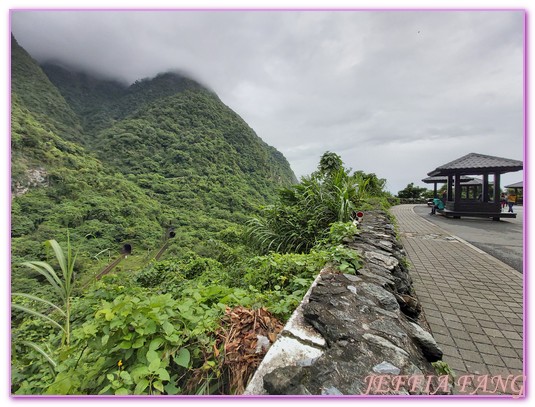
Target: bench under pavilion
x,y
460,204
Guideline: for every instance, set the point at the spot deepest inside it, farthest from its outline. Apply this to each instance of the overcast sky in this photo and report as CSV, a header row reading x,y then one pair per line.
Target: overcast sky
x,y
396,93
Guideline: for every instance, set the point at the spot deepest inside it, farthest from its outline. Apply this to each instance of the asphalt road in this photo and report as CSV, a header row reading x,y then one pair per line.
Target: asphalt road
x,y
502,239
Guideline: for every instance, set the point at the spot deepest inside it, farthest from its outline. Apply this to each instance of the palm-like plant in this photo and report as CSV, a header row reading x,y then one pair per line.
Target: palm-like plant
x,y
343,191
62,284
306,211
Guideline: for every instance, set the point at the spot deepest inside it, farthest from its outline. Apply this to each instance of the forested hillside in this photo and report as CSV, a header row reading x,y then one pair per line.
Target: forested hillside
x,y
179,142
206,224
58,185
114,163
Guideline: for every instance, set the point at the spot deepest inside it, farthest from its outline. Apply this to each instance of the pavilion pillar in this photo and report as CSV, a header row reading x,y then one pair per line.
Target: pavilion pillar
x,y
497,187
485,191
458,188
435,191
450,187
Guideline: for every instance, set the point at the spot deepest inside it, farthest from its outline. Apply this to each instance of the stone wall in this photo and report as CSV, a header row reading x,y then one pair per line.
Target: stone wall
x,y
356,334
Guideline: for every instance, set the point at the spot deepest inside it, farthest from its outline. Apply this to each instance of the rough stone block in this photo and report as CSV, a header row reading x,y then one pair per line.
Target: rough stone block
x,y
284,352
426,342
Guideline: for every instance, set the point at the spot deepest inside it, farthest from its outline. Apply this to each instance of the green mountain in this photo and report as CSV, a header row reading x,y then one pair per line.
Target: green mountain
x,y
35,92
57,185
114,163
172,127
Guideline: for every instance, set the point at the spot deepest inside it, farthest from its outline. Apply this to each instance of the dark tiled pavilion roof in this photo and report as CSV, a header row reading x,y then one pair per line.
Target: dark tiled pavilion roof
x,y
474,163
476,181
516,185
444,180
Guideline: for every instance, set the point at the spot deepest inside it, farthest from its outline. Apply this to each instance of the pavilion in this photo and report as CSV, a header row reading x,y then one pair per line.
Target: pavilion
x,y
475,164
473,188
516,187
442,180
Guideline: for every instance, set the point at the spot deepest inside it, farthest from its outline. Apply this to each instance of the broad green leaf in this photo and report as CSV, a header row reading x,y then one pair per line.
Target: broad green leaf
x,y
183,358
171,389
115,322
152,355
150,327
90,329
173,338
154,365
105,389
156,343
128,353
107,313
168,327
121,392
141,386
61,385
139,372
126,377
158,385
105,339
163,374
138,343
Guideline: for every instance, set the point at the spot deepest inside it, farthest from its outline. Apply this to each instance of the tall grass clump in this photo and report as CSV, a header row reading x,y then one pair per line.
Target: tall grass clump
x,y
304,212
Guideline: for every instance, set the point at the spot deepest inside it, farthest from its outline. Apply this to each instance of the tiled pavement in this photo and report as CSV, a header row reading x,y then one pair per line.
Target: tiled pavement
x,y
471,300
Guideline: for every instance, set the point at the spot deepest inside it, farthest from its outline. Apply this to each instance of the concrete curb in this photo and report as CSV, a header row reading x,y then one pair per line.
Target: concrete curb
x,y
298,343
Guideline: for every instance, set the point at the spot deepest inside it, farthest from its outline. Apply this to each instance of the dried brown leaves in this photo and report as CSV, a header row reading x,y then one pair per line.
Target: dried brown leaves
x,y
238,336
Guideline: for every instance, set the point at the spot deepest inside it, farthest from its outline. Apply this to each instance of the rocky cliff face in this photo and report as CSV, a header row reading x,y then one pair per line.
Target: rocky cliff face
x,y
33,178
368,335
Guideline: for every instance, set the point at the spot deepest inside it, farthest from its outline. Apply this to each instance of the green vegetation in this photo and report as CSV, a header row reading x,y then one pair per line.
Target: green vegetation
x,y
443,369
99,165
410,191
305,212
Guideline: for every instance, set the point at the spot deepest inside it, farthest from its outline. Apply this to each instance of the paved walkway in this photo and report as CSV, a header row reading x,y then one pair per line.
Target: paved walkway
x,y
471,300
